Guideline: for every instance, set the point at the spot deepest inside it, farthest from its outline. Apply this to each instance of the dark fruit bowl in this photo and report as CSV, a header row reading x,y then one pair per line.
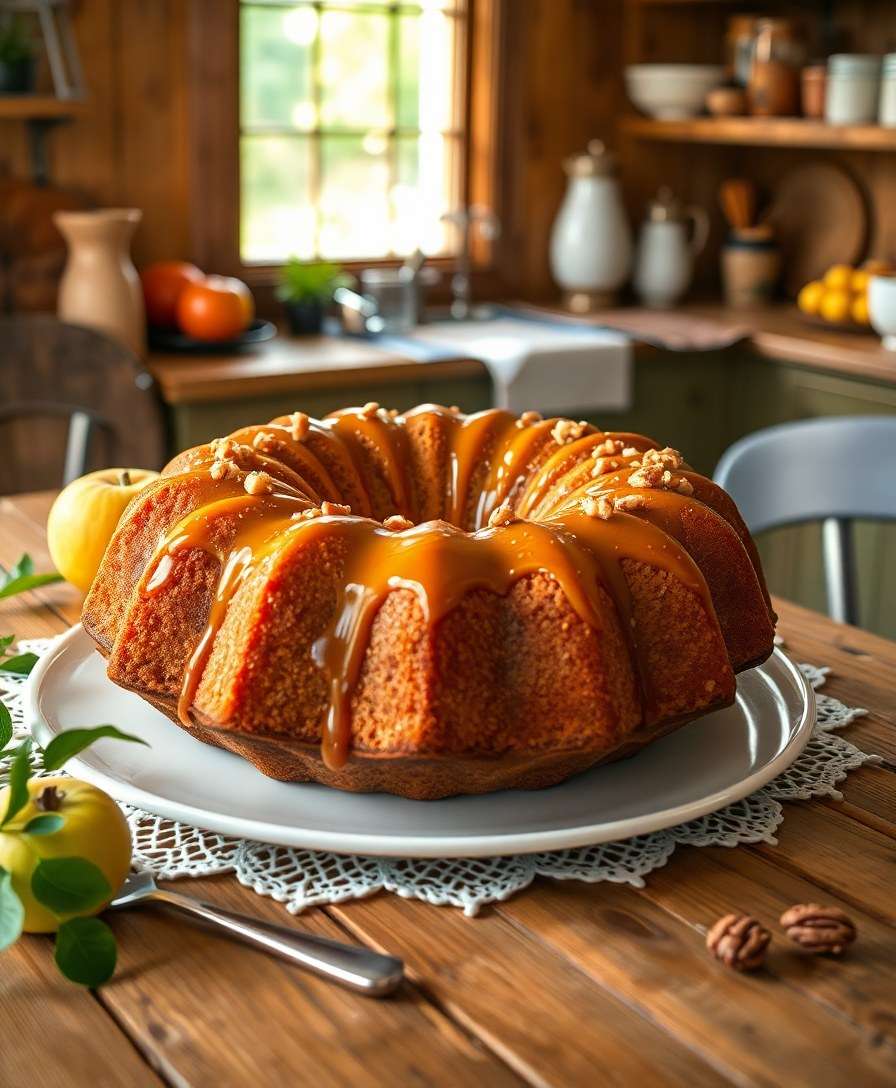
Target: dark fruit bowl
x,y
172,340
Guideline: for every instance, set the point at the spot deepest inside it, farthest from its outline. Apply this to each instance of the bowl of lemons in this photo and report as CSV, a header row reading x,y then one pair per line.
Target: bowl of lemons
x,y
840,298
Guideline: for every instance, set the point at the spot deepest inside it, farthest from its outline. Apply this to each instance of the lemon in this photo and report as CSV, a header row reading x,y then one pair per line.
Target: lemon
x,y
809,298
84,517
858,282
859,311
838,277
835,305
94,828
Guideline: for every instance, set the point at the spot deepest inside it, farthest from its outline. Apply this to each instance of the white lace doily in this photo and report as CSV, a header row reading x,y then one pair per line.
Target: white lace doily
x,y
304,878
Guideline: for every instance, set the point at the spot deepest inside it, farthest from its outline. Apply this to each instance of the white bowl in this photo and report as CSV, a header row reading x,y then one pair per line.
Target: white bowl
x,y
882,308
671,92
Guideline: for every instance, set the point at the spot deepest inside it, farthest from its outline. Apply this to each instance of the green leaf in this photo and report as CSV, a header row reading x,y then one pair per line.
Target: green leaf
x,y
6,642
21,664
19,773
12,913
44,824
86,951
22,569
5,725
30,581
62,747
69,885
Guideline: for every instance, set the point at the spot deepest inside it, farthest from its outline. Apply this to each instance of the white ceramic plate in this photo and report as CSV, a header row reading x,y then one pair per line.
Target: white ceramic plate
x,y
700,768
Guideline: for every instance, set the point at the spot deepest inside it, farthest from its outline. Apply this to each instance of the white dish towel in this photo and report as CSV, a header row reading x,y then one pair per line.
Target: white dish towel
x,y
554,369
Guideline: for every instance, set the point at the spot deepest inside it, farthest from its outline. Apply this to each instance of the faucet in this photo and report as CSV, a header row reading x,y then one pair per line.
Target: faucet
x,y
464,219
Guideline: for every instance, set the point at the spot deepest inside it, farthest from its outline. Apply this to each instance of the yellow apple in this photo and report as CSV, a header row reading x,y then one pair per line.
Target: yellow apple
x,y
84,517
93,827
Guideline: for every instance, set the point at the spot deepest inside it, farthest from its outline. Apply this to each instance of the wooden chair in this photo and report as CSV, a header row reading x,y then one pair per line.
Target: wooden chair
x,y
830,470
71,400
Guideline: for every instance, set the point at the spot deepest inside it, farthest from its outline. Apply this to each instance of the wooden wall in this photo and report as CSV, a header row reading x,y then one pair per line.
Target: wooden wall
x,y
131,146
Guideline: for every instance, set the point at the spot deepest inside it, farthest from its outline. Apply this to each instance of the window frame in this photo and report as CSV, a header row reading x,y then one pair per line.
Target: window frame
x,y
214,126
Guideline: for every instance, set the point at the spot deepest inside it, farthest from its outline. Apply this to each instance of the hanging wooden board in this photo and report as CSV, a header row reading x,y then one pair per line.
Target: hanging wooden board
x,y
820,218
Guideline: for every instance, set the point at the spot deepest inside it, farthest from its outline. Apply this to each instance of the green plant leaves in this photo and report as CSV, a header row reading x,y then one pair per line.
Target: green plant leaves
x,y
5,725
19,773
69,885
22,577
45,824
12,913
86,951
65,745
21,664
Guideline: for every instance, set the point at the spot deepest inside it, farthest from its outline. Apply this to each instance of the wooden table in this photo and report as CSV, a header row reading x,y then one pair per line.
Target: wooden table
x,y
565,984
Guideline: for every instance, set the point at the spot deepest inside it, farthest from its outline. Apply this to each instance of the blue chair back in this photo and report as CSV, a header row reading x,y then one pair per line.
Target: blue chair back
x,y
829,470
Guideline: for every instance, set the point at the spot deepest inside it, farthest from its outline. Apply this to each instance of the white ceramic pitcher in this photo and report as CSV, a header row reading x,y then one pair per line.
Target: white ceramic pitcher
x,y
671,237
591,244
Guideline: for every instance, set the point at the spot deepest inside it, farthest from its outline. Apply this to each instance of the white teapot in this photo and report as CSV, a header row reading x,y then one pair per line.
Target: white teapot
x,y
591,243
666,250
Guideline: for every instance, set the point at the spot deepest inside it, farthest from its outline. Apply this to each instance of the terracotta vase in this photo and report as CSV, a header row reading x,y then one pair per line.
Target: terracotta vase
x,y
100,287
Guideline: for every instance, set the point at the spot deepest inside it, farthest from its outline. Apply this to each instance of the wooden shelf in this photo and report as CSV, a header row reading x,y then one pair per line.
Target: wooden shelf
x,y
763,132
38,107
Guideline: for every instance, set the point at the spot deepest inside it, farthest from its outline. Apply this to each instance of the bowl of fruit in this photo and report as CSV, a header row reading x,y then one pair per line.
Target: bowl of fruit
x,y
188,311
839,300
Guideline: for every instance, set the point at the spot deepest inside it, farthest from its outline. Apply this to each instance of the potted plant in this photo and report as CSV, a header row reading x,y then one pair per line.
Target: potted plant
x,y
305,288
16,58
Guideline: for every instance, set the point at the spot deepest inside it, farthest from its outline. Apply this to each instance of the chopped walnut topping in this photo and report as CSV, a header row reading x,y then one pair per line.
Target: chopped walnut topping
x,y
629,451
222,447
710,686
628,503
334,509
528,418
369,410
396,523
601,507
603,465
224,469
684,487
299,424
607,448
264,441
258,483
455,409
501,515
307,515
393,413
666,458
646,476
564,430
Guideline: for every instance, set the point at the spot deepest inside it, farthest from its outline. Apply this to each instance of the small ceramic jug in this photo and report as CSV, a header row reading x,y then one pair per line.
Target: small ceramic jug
x,y
591,245
666,250
100,286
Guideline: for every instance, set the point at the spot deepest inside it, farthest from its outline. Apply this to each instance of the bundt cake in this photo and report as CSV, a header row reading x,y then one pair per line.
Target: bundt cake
x,y
430,603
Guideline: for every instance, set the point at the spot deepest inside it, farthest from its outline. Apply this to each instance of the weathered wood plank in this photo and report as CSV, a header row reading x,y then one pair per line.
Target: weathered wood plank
x,y
533,1007
55,1032
754,1029
208,1011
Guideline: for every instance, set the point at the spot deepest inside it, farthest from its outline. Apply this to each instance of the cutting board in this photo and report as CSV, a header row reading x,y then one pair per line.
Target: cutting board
x,y
820,218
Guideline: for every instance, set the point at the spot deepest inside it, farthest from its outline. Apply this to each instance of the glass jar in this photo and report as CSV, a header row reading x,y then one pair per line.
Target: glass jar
x,y
774,86
886,115
852,91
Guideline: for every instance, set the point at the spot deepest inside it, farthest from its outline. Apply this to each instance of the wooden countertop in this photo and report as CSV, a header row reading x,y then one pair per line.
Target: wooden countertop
x,y
288,364
565,984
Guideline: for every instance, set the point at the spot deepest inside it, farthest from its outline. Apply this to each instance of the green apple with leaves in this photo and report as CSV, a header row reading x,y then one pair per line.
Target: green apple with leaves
x,y
64,819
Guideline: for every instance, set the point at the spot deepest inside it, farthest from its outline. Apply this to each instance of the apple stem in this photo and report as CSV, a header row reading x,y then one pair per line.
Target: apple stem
x,y
124,478
50,799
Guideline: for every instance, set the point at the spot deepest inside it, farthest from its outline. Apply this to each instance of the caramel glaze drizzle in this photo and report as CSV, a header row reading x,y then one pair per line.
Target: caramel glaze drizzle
x,y
436,560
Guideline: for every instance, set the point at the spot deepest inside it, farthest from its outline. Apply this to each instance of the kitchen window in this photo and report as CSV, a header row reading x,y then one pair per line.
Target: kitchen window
x,y
352,128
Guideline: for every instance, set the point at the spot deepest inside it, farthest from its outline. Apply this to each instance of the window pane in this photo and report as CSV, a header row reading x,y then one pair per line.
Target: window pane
x,y
408,71
277,217
427,186
355,70
354,198
275,45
